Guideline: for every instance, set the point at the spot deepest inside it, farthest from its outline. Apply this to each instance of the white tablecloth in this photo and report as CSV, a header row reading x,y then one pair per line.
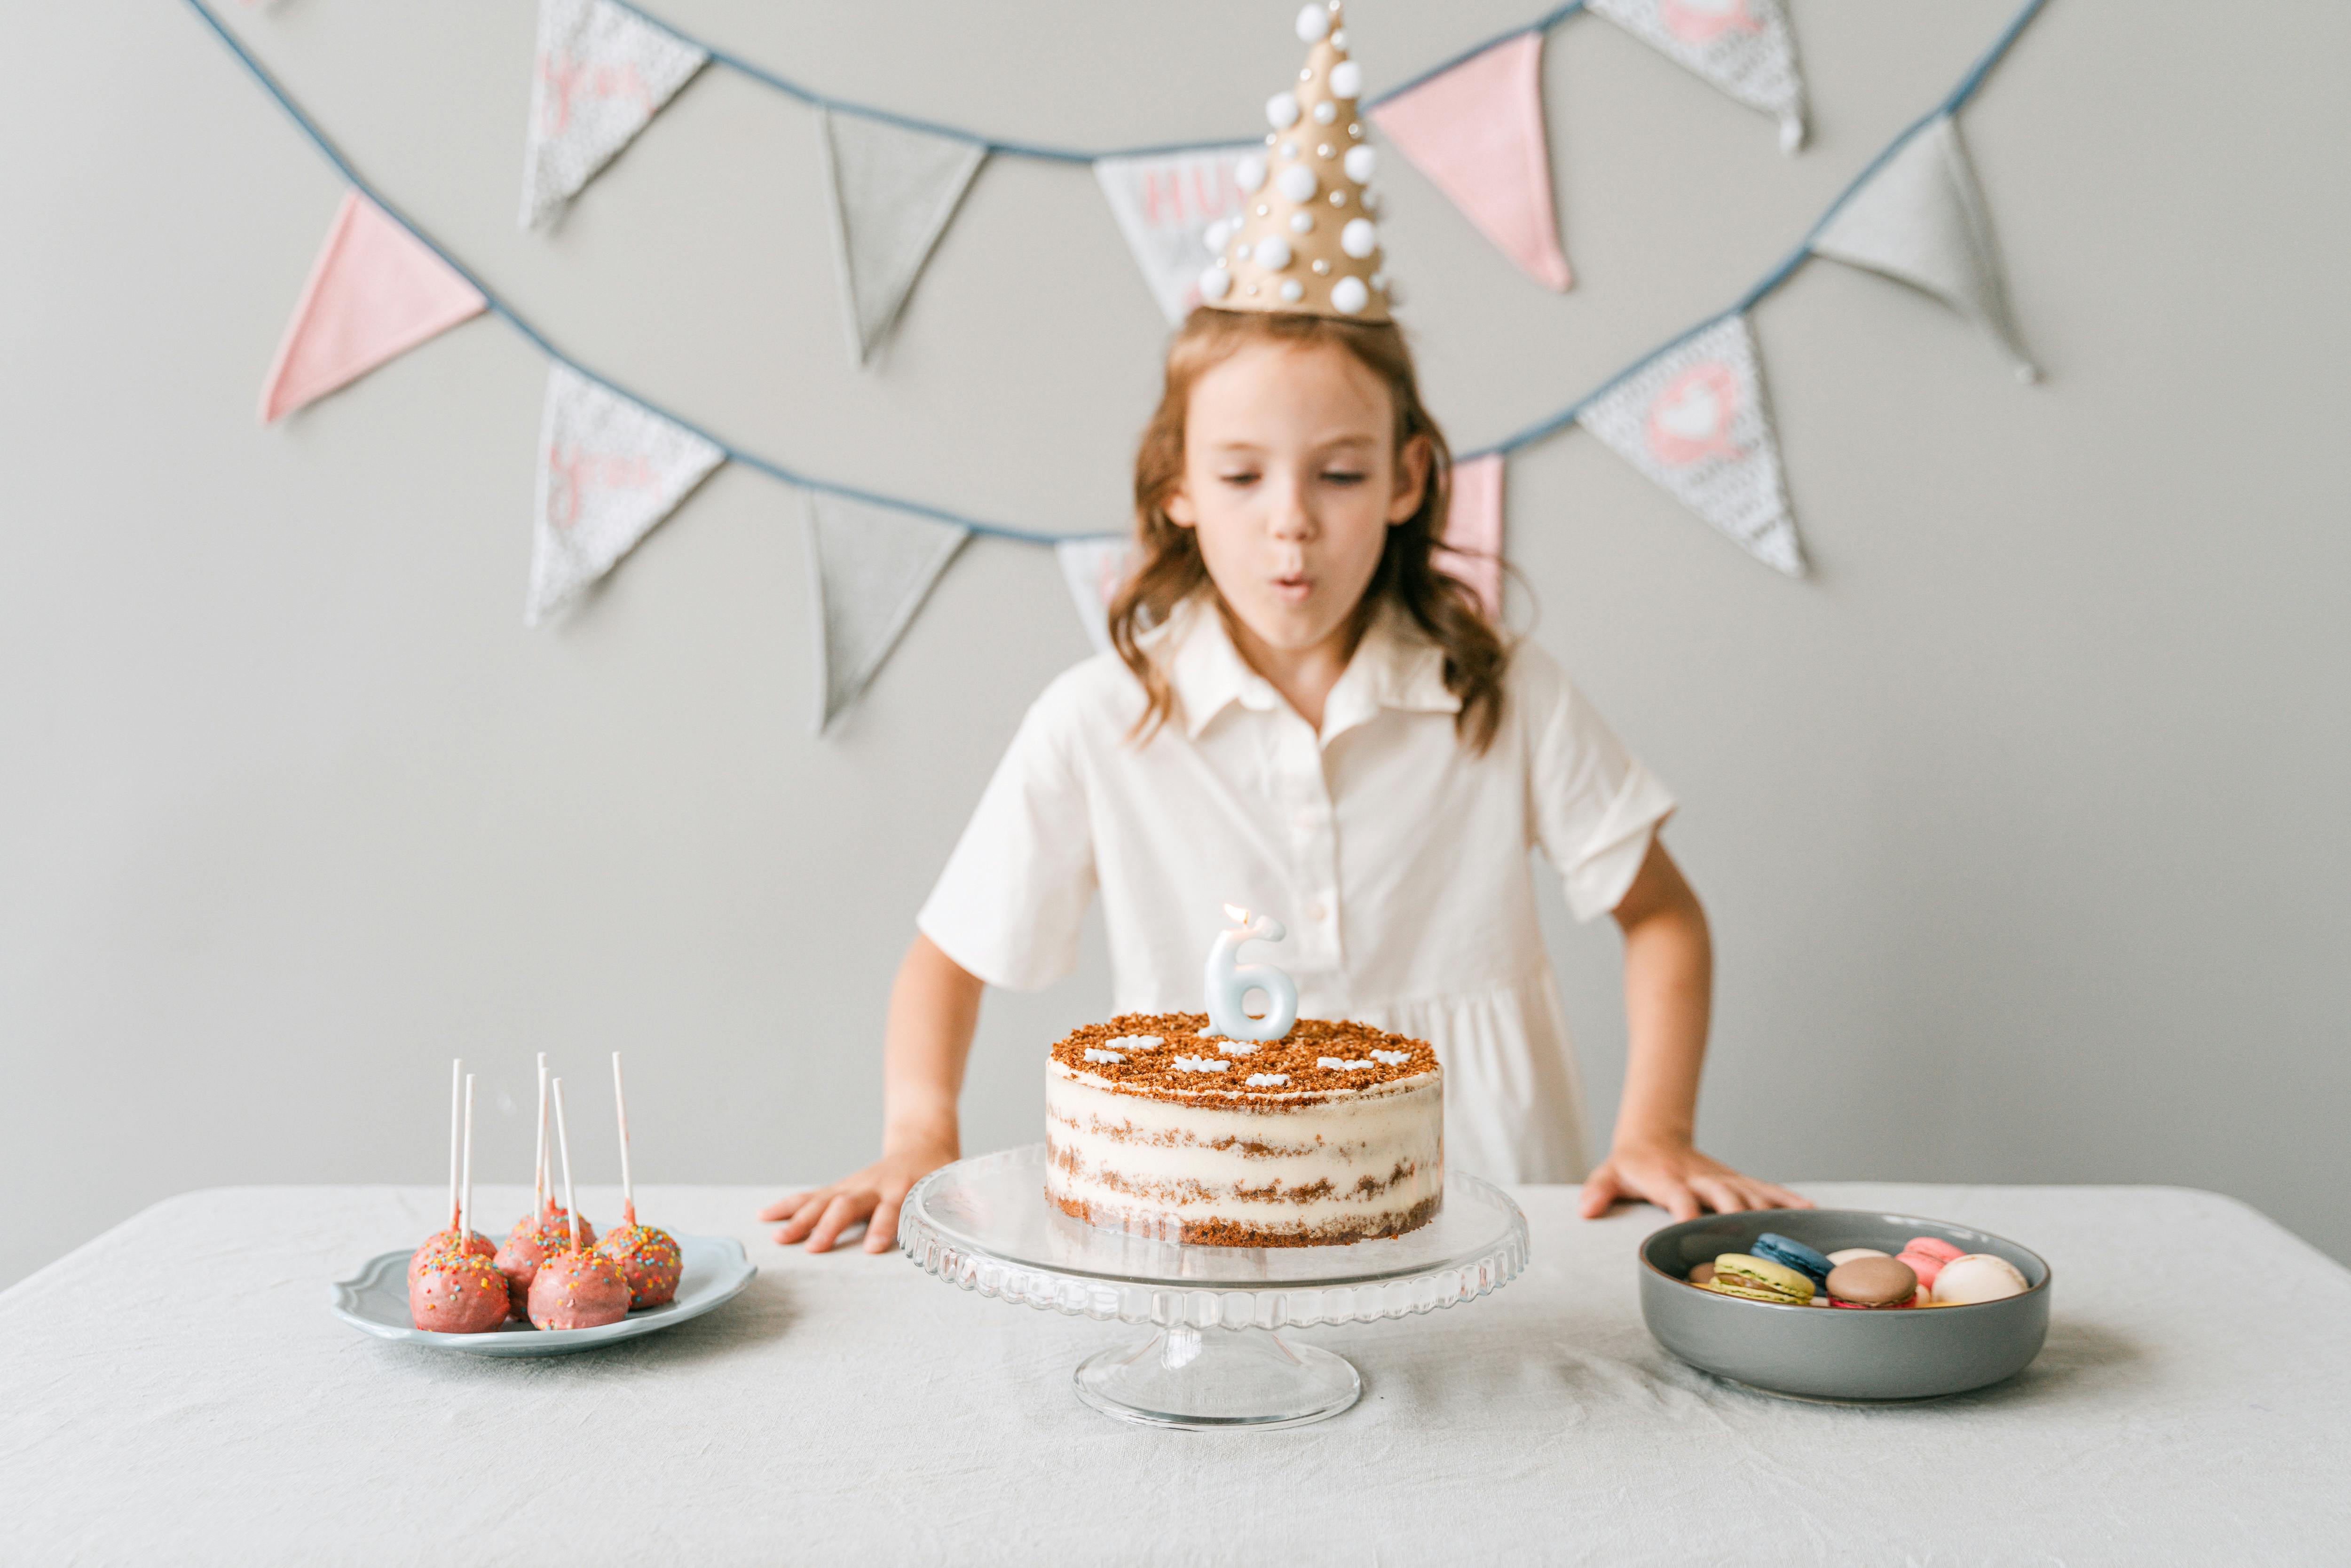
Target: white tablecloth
x,y
176,1391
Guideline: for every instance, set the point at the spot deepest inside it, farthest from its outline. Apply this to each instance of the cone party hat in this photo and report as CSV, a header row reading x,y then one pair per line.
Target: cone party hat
x,y
1306,243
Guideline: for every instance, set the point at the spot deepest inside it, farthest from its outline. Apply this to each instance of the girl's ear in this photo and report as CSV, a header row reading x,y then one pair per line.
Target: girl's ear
x,y
1178,508
1412,480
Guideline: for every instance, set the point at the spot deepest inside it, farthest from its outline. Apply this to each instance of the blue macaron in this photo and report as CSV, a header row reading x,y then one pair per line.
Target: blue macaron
x,y
1774,1247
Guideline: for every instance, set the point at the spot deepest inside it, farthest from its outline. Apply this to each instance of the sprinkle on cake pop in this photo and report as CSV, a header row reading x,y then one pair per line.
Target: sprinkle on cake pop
x,y
648,1256
575,1288
458,1291
447,1240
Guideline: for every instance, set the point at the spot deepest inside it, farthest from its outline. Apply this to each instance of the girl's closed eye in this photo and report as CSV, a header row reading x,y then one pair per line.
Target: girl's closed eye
x,y
1241,478
1343,477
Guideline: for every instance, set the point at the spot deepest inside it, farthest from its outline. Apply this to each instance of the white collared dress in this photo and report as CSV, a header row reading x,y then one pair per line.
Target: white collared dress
x,y
1398,859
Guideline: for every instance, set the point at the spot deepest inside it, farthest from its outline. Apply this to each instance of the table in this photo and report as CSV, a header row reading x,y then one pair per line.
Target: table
x,y
176,1391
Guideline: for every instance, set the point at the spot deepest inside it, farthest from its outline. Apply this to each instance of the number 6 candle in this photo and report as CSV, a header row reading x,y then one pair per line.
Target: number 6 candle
x,y
1229,982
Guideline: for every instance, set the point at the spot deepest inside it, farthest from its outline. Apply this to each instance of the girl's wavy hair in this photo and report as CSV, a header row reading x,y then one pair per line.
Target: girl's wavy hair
x,y
1170,569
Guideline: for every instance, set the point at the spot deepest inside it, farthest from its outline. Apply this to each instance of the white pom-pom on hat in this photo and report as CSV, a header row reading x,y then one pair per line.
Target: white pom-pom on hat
x,y
1298,182
1325,112
1346,80
1249,173
1281,111
1272,252
1301,223
1348,295
1359,238
1216,234
1216,283
1314,22
1361,163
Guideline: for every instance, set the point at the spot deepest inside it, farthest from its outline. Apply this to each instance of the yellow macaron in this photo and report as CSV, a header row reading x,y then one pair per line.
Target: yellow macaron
x,y
1758,1279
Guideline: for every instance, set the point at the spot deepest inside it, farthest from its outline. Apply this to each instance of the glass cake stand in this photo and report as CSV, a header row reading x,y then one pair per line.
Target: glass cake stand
x,y
1217,1358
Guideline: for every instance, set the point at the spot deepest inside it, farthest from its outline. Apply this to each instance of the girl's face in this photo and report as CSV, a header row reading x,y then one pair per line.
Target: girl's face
x,y
1291,480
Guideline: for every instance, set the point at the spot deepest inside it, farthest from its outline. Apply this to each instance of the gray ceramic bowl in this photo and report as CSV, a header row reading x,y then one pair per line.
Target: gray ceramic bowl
x,y
1826,1353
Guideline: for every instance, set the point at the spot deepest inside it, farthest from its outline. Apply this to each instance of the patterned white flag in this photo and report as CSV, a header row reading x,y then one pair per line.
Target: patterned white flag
x,y
609,469
1094,568
893,190
1743,47
1694,419
872,566
602,74
1164,204
1921,219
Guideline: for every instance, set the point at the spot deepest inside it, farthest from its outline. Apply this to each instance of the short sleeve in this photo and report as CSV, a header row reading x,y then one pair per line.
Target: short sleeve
x,y
1592,806
1008,905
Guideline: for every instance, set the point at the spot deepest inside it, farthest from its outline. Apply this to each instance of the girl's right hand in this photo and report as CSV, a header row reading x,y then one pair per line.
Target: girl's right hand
x,y
873,1194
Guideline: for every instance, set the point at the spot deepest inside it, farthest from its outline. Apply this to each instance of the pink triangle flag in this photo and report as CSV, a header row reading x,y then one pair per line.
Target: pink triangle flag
x,y
1472,546
374,293
1477,131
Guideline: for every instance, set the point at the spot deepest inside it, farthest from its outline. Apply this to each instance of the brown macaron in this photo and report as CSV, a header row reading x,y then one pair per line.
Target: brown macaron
x,y
1873,1282
1701,1273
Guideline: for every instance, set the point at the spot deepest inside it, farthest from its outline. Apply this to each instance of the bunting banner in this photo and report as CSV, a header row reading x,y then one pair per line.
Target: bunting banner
x,y
872,566
1694,419
1166,204
1743,47
374,293
1477,131
602,74
891,191
609,470
1094,568
1920,219
1472,546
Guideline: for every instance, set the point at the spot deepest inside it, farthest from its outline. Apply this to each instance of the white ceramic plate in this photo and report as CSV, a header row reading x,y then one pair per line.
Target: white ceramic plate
x,y
375,1300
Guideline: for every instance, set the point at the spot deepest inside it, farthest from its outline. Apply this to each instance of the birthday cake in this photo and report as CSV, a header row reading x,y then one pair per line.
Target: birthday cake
x,y
1332,1134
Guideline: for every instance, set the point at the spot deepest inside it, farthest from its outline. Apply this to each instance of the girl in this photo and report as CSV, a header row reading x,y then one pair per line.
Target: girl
x,y
1302,715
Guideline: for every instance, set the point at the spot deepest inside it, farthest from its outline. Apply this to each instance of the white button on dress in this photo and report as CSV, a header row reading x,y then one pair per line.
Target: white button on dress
x,y
1397,858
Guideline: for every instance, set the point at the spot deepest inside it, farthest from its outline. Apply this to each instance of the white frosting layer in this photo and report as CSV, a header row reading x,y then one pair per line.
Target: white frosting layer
x,y
1359,1158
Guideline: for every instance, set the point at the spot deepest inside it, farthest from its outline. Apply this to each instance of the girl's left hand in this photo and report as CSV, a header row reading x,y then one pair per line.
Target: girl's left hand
x,y
1680,1180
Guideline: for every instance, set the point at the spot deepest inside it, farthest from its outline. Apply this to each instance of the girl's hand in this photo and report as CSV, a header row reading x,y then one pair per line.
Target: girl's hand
x,y
1679,1179
873,1194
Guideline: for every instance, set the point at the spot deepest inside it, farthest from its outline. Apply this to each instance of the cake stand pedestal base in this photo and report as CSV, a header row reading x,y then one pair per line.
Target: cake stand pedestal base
x,y
1211,1379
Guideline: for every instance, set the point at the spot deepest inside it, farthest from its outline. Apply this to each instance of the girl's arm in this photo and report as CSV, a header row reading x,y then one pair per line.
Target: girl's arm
x,y
1669,993
934,1008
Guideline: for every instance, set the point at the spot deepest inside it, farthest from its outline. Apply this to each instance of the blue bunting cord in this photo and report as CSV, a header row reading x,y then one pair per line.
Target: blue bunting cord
x,y
1778,275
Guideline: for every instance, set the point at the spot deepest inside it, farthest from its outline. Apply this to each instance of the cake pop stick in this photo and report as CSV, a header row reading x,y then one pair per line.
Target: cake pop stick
x,y
563,1142
620,1105
538,1159
457,1065
466,1210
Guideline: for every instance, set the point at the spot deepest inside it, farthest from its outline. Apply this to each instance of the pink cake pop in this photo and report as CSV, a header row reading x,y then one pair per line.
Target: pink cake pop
x,y
446,1240
648,1256
576,1289
458,1291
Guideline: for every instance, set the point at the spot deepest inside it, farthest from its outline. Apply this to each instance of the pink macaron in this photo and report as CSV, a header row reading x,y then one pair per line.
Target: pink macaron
x,y
1926,1256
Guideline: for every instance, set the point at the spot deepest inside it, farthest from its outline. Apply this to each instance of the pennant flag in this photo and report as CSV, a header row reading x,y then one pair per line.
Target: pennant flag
x,y
374,293
1693,419
1743,47
609,469
872,565
1472,546
603,73
893,190
1166,205
1921,220
1477,131
1094,568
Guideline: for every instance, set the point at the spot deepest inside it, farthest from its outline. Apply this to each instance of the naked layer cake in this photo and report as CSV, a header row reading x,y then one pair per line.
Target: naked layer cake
x,y
1333,1134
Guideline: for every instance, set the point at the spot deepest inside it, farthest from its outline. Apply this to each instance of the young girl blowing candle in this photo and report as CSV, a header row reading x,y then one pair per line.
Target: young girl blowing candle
x,y
1302,715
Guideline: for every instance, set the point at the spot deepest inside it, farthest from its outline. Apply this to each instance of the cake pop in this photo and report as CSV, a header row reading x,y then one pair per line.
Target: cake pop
x,y
648,1256
544,1230
458,1291
446,1240
575,1288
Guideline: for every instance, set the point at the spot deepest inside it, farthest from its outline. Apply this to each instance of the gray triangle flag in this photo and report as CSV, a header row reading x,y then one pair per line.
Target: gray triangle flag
x,y
1694,419
892,190
1743,47
602,74
1921,220
872,566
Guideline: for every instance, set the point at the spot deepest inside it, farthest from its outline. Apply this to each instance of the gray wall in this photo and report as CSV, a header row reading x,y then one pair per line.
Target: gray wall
x,y
2020,823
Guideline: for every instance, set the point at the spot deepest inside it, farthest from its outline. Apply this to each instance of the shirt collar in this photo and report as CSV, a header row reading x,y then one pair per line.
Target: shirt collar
x,y
1394,666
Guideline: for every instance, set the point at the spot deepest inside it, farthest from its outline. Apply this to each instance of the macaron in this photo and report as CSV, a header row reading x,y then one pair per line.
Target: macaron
x,y
1850,1253
1773,1248
1701,1273
1874,1283
1758,1279
1977,1277
1927,1257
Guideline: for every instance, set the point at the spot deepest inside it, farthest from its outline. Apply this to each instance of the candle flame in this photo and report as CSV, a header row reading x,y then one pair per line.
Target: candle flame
x,y
1237,914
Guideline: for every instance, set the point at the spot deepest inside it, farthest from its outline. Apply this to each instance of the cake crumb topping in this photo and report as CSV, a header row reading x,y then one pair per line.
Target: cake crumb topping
x,y
1318,1055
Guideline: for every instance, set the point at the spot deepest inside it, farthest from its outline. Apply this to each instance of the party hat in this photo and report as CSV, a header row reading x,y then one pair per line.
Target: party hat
x,y
1307,243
